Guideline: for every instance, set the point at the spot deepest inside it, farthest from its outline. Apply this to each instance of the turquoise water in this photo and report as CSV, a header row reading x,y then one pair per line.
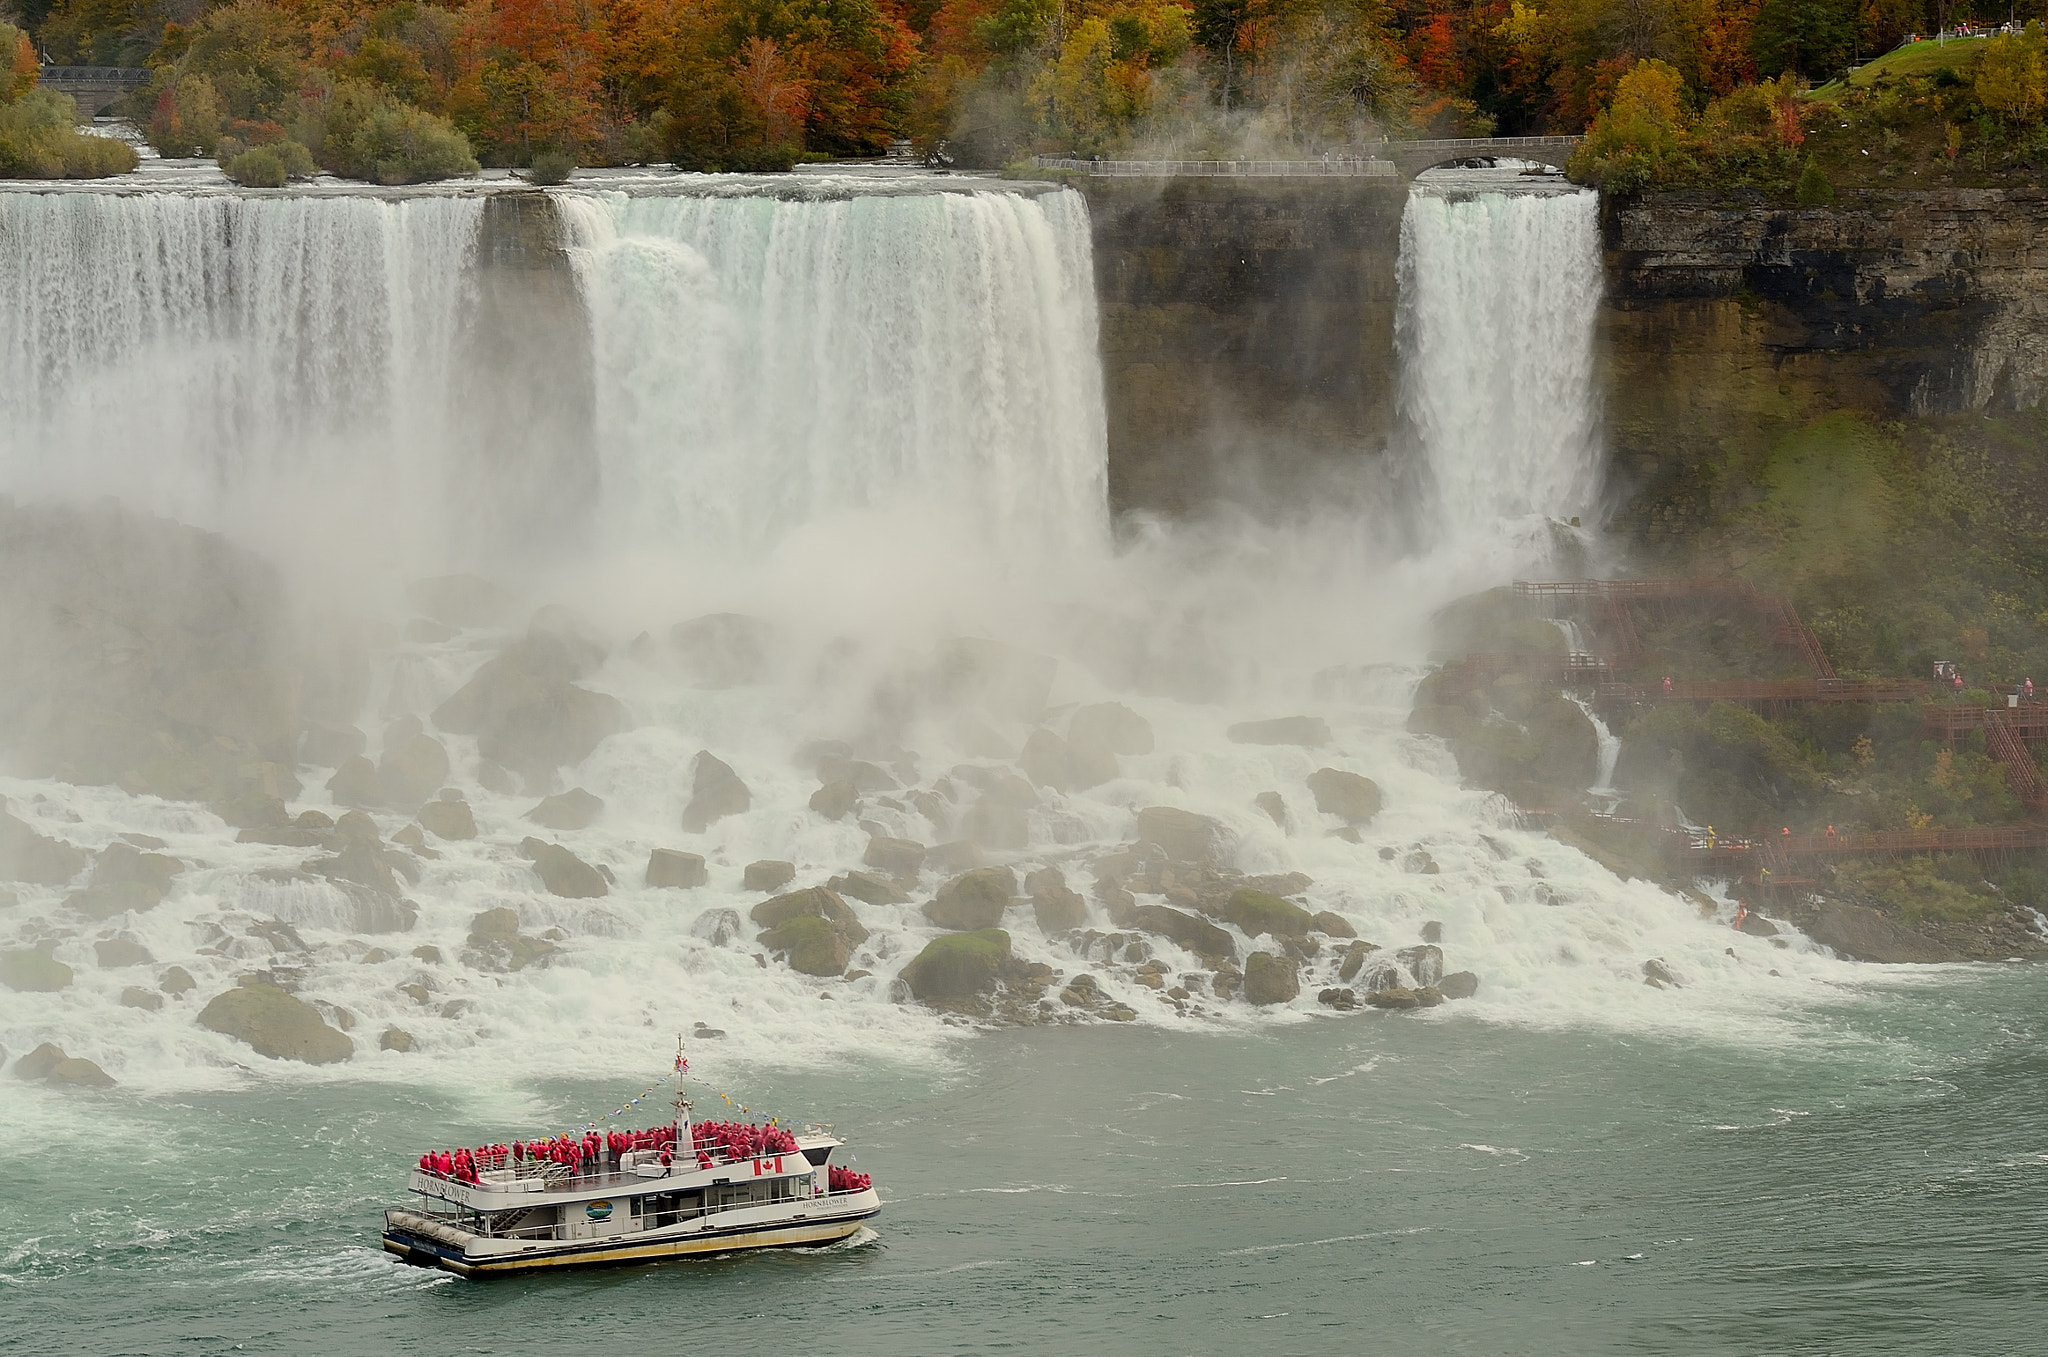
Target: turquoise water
x,y
1876,1183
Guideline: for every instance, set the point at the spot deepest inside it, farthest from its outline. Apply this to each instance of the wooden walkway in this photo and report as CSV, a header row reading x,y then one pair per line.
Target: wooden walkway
x,y
1780,856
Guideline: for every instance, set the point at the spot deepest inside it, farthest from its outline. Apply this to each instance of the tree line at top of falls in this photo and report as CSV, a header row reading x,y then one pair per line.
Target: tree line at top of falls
x,y
1964,114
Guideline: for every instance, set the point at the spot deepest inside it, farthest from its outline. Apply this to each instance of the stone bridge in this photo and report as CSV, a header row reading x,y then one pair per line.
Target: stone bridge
x,y
1413,157
92,88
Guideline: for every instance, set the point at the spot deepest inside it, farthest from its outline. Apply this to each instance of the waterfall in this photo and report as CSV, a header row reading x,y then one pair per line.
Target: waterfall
x,y
1499,293
282,365
764,362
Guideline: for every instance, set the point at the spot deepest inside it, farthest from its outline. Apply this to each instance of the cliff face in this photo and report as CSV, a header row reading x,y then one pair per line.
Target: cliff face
x,y
1728,324
1247,333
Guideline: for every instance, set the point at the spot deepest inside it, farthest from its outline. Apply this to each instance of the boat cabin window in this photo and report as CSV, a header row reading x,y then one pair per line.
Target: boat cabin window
x,y
818,1154
666,1208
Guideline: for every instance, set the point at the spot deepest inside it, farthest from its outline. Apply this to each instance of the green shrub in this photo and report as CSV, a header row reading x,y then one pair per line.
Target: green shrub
x,y
360,132
1814,189
550,167
267,166
39,139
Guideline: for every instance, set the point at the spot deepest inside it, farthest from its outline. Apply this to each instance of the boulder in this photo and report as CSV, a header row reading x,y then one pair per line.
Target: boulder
x,y
1425,963
494,777
1274,805
836,800
1256,912
723,650
448,818
837,765
362,861
176,981
672,870
497,944
1334,925
1657,975
1306,731
810,945
973,900
395,1039
1458,985
767,875
28,856
327,744
1110,726
954,856
78,1072
868,888
1269,979
719,927
275,1024
1348,796
412,770
1394,997
566,875
1343,1000
37,1064
900,858
1183,835
959,965
1199,936
1433,931
355,783
815,902
527,715
570,810
114,953
1044,759
1757,926
31,972
715,792
135,996
124,878
1054,907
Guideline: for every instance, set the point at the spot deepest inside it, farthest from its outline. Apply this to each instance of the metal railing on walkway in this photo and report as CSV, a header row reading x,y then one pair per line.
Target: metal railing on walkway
x,y
1333,167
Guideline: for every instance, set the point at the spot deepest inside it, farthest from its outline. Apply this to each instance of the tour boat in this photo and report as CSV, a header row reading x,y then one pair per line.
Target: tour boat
x,y
627,1197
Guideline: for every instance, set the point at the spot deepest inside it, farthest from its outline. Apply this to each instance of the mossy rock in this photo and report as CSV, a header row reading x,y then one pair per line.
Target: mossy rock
x,y
959,965
810,944
816,902
1258,912
275,1024
30,972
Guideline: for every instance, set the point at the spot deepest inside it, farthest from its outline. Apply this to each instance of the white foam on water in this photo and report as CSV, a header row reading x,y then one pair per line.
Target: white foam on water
x,y
873,422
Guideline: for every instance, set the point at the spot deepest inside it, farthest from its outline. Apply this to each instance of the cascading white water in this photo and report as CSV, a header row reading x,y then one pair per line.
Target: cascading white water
x,y
1499,293
281,366
763,363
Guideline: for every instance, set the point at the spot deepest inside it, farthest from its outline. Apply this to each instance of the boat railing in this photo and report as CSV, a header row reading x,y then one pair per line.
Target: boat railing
x,y
554,1177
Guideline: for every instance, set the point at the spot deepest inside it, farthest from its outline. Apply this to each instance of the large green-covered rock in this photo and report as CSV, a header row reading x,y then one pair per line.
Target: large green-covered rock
x,y
973,900
31,972
810,944
1270,980
817,902
959,965
275,1024
1258,912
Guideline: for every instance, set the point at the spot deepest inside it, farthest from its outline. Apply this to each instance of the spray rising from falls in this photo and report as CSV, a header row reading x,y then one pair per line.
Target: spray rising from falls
x,y
1499,294
873,425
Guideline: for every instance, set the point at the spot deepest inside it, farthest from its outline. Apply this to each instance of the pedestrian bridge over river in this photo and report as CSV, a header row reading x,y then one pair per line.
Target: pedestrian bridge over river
x,y
1396,160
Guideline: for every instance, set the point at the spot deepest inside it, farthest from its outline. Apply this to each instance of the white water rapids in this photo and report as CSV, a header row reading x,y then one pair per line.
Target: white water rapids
x,y
874,422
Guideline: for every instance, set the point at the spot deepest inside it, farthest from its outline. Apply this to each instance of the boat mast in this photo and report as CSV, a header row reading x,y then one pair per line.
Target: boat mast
x,y
684,1142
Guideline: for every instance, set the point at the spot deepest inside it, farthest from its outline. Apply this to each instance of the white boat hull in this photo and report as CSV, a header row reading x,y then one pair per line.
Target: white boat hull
x,y
426,1243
